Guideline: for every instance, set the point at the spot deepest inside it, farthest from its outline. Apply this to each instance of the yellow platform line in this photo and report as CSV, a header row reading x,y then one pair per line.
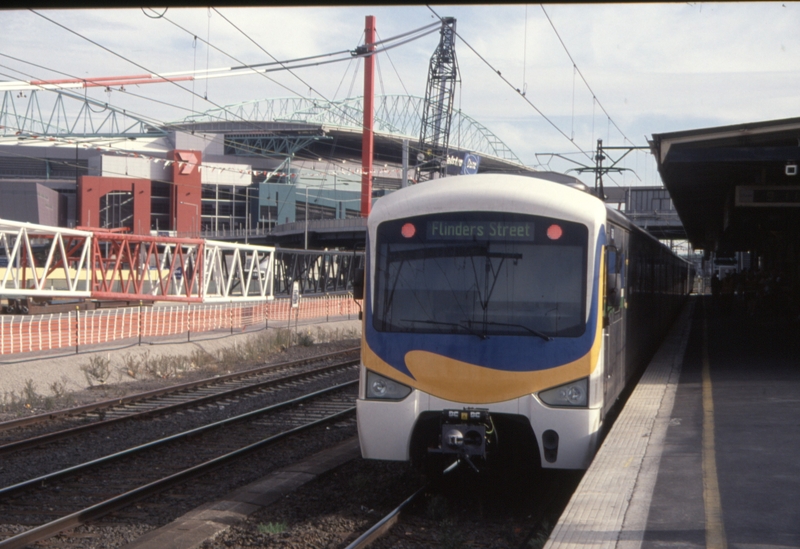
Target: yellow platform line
x,y
715,527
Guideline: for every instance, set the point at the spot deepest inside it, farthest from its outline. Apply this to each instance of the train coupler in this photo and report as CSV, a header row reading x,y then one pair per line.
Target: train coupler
x,y
465,433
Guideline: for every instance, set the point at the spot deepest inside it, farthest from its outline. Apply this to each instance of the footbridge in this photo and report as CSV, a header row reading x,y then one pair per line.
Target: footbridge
x,y
44,263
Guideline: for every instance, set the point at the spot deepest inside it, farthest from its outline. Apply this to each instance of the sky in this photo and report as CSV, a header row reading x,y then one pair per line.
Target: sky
x,y
650,68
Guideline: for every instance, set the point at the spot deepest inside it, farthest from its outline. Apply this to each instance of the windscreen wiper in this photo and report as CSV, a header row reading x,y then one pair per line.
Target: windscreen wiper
x,y
455,324
531,330
452,250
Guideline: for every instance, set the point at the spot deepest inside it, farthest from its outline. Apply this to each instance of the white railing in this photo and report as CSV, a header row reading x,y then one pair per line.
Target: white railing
x,y
237,272
38,261
42,261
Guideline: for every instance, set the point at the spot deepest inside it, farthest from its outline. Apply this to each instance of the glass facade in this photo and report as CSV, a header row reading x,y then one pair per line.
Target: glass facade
x,y
226,207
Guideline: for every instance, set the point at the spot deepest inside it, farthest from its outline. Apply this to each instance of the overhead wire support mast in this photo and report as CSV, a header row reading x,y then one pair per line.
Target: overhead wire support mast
x,y
438,106
598,169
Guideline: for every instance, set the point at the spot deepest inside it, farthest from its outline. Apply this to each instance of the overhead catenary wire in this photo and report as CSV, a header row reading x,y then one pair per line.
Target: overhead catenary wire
x,y
208,50
344,75
578,70
159,16
387,41
126,59
240,70
195,71
286,65
162,76
291,64
101,140
359,52
418,33
150,120
69,93
525,54
395,69
345,113
276,60
524,97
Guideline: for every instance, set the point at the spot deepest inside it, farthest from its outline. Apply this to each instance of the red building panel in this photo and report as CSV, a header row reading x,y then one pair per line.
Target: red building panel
x,y
186,207
92,188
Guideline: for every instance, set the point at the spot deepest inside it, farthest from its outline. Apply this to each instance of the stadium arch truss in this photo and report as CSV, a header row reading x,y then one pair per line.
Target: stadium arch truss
x,y
397,115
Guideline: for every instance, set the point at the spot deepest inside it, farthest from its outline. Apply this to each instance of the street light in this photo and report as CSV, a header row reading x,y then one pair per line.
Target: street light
x,y
246,213
306,220
194,223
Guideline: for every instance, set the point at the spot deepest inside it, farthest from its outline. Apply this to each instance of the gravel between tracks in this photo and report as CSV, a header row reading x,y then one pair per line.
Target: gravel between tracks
x,y
326,512
33,462
133,522
126,525
467,511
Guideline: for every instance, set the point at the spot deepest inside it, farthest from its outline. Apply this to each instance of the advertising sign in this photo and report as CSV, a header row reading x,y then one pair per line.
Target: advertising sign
x,y
462,163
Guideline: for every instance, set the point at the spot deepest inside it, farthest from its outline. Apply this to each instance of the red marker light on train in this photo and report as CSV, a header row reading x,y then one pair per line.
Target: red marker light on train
x,y
554,232
408,230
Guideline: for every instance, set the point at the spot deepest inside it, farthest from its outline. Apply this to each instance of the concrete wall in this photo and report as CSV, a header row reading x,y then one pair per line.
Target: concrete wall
x,y
28,202
128,166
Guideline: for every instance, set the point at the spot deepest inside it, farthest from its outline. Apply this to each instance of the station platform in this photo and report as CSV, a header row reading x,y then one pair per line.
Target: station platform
x,y
706,452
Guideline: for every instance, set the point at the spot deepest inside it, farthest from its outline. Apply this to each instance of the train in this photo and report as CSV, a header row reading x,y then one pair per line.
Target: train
x,y
503,317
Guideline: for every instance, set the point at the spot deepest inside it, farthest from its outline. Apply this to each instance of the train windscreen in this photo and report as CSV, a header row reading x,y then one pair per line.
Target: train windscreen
x,y
481,273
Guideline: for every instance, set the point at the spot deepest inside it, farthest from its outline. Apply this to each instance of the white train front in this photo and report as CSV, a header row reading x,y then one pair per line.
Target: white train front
x,y
488,313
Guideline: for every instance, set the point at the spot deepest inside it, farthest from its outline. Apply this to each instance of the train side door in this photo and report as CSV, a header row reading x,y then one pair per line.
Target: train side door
x,y
614,315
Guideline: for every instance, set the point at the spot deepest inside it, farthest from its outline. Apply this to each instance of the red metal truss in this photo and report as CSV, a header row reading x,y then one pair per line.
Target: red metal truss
x,y
38,261
138,267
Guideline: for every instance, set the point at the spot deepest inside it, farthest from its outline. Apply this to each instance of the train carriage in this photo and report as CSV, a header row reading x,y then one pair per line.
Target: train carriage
x,y
503,317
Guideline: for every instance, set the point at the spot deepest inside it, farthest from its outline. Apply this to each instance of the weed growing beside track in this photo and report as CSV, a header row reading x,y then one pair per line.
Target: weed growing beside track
x,y
115,374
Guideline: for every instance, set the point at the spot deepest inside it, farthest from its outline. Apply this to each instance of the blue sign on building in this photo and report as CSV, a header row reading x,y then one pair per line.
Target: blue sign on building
x,y
463,163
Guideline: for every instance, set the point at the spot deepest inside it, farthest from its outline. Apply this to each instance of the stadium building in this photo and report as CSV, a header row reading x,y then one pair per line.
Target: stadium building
x,y
273,170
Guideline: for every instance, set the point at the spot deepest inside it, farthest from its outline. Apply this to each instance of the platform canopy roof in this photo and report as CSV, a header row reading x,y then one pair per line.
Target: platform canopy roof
x,y
736,188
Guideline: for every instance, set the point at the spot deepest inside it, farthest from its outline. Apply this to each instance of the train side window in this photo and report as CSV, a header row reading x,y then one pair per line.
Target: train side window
x,y
614,290
358,284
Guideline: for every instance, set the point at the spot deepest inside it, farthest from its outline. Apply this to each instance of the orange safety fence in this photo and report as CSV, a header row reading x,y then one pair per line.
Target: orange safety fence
x,y
24,334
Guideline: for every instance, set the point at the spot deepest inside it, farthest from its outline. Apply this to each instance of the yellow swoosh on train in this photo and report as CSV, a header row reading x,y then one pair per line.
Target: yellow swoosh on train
x,y
459,381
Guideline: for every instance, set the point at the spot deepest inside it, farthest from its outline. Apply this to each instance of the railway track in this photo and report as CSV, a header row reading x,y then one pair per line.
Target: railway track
x,y
384,525
39,455
81,493
467,511
44,428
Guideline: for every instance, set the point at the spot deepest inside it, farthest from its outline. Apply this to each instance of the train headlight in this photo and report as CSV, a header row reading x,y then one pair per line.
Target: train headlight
x,y
385,388
574,393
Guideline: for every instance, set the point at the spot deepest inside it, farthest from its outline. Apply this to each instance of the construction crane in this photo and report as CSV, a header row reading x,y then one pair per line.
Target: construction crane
x,y
438,107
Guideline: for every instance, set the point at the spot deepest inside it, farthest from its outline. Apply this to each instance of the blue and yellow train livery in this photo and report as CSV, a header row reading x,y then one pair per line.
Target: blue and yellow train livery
x,y
489,301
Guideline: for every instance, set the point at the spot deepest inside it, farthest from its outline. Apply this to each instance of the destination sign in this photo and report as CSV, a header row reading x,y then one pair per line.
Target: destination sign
x,y
766,196
468,230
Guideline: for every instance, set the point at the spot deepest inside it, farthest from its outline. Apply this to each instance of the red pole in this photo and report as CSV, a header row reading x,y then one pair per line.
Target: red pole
x,y
367,143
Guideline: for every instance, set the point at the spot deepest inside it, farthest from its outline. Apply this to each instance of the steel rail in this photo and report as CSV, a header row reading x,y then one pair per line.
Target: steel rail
x,y
385,524
206,382
177,436
172,438
65,433
382,527
81,517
